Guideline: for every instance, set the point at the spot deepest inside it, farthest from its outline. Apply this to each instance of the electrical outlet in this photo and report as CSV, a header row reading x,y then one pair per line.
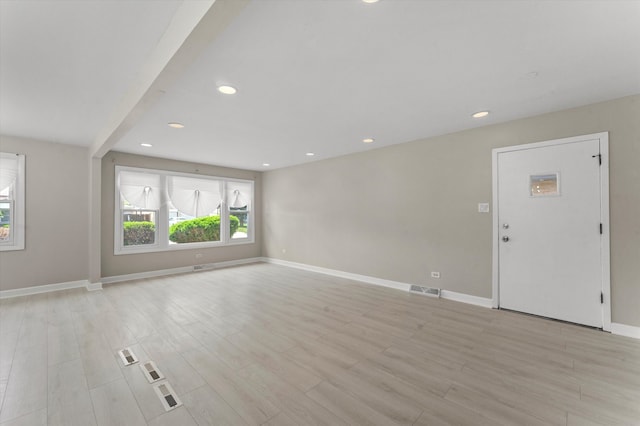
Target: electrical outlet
x,y
284,251
435,274
198,255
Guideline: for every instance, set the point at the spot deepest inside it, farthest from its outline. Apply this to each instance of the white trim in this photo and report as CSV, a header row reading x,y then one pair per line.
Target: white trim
x,y
495,258
39,289
143,275
180,270
237,262
445,294
485,302
616,328
162,243
48,288
340,274
625,330
605,244
94,286
603,137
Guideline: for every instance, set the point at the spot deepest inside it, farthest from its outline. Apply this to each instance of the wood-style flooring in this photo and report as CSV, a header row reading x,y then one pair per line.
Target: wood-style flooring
x,y
268,345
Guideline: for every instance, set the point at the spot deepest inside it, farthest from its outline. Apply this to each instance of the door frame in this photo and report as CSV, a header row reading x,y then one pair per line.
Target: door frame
x,y
603,137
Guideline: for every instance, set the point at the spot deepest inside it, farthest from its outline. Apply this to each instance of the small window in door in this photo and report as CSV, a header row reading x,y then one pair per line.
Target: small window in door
x,y
544,185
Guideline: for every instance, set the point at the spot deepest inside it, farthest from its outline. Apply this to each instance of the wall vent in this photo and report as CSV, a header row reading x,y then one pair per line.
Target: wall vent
x,y
127,356
151,372
428,291
167,396
204,267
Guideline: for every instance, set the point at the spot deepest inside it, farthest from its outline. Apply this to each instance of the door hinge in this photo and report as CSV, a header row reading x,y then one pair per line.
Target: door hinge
x,y
601,229
601,298
599,158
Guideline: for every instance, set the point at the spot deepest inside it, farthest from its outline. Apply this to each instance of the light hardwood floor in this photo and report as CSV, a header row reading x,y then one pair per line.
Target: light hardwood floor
x,y
267,345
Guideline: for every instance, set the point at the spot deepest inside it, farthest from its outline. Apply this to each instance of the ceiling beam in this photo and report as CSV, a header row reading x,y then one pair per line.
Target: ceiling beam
x,y
195,26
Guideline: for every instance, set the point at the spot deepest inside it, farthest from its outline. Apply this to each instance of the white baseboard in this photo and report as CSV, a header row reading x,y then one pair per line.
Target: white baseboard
x,y
625,330
5,294
237,262
616,328
180,270
47,288
619,329
340,274
94,286
445,294
467,298
143,275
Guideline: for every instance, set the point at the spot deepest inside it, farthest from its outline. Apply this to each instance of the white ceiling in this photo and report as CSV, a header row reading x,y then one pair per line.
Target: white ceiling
x,y
64,65
312,75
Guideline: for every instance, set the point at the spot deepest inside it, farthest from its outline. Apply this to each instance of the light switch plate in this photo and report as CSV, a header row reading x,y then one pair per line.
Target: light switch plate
x,y
483,207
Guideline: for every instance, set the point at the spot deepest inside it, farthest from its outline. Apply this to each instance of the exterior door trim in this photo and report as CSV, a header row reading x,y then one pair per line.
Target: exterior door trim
x,y
604,214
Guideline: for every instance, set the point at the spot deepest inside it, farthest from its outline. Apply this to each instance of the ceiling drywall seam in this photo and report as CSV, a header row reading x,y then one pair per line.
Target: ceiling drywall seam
x,y
194,26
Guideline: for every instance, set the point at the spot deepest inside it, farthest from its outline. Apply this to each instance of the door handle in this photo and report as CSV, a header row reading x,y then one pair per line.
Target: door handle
x,y
505,238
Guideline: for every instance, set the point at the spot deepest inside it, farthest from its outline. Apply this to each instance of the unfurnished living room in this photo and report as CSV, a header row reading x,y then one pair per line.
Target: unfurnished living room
x,y
319,212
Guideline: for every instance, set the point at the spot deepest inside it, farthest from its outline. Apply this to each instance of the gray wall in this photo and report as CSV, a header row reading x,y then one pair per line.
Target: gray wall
x,y
394,213
403,211
112,265
57,216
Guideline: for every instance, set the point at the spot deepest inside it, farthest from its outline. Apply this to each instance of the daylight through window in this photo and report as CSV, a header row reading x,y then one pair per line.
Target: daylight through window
x,y
12,198
161,210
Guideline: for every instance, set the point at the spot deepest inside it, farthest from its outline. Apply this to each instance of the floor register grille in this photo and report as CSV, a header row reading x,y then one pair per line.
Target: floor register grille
x,y
154,376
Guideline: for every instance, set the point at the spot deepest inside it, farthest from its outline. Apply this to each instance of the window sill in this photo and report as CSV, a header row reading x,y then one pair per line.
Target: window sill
x,y
178,247
12,247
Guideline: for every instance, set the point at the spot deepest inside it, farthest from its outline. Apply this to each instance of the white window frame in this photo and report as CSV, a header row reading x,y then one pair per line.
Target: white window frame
x,y
162,219
17,201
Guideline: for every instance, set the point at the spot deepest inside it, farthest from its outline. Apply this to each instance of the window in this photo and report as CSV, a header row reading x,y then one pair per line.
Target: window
x,y
12,200
140,202
160,210
195,203
544,185
239,196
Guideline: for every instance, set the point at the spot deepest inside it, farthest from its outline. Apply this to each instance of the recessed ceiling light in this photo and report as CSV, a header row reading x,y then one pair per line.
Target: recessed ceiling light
x,y
266,164
480,114
310,154
175,125
227,90
146,145
370,1
368,140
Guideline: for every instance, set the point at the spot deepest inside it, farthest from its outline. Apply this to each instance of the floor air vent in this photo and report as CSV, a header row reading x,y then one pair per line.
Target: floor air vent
x,y
429,291
167,396
127,356
151,372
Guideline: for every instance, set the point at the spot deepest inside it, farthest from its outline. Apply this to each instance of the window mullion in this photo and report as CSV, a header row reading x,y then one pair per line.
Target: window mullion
x,y
118,226
162,227
224,213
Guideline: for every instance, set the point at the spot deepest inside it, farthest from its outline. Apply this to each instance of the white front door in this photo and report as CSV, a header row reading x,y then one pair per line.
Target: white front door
x,y
549,229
